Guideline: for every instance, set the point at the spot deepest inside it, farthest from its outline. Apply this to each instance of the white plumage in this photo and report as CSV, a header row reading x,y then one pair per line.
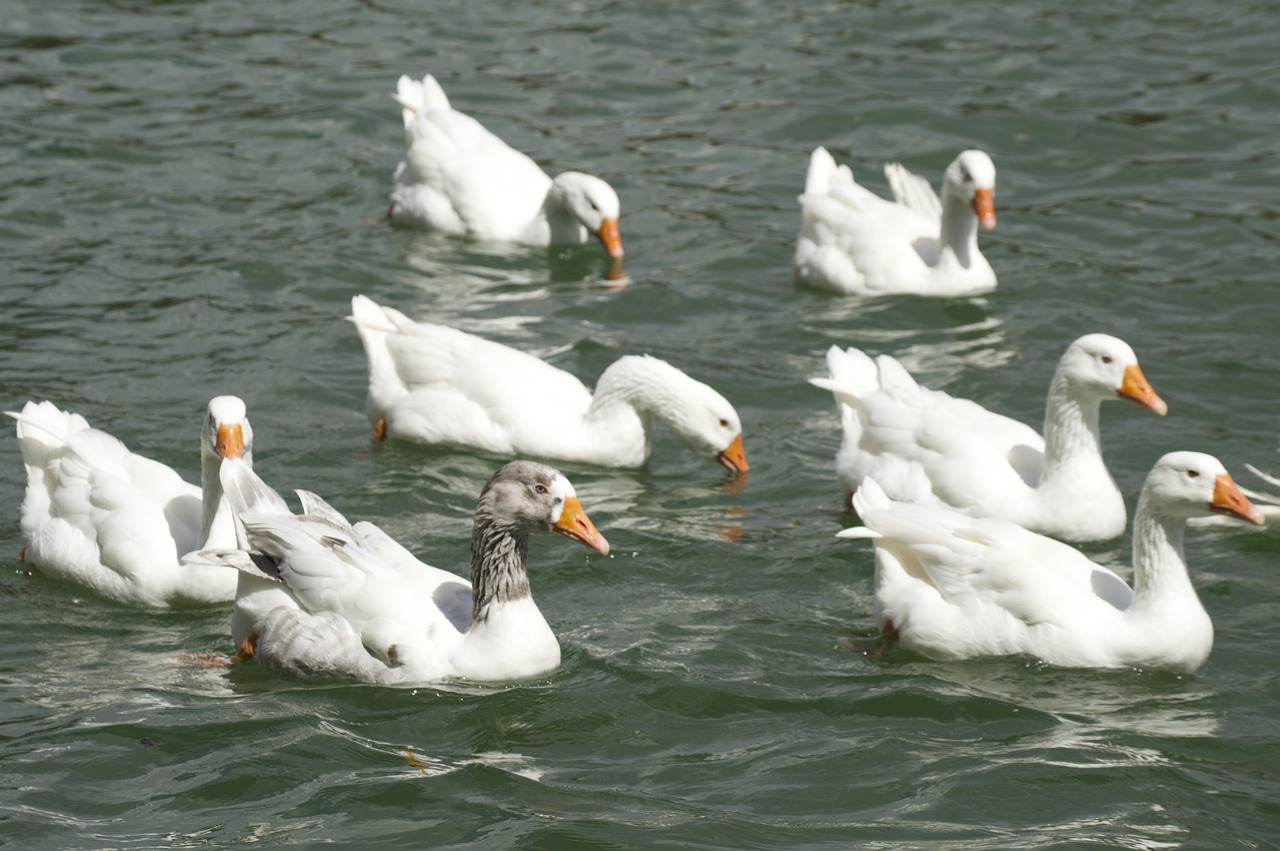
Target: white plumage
x,y
433,384
926,446
949,586
459,178
117,522
853,241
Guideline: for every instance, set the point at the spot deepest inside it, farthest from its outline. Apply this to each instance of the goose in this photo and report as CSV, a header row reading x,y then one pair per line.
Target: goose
x,y
353,603
459,178
433,384
852,241
926,446
104,517
949,586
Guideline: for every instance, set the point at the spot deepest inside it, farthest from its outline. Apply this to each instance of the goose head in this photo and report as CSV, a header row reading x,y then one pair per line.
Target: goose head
x,y
1193,484
972,177
703,419
226,432
593,203
1105,367
708,425
525,497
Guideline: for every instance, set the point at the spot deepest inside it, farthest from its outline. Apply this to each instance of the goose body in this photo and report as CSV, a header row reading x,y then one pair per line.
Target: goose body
x,y
928,447
459,178
433,384
853,241
351,602
99,515
950,586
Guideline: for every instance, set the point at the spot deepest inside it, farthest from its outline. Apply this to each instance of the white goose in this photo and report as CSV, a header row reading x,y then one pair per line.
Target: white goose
x,y
97,514
459,178
853,241
433,384
926,446
950,586
351,602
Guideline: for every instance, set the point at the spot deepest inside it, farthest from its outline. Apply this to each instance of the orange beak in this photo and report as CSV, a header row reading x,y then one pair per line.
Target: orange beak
x,y
1136,389
230,442
984,204
575,525
734,456
1228,500
611,238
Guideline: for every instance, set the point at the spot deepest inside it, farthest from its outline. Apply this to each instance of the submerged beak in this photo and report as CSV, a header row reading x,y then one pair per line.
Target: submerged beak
x,y
612,240
734,456
984,204
1136,389
230,442
1228,500
575,525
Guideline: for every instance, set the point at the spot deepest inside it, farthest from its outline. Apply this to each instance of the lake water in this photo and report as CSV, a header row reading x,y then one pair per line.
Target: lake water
x,y
186,196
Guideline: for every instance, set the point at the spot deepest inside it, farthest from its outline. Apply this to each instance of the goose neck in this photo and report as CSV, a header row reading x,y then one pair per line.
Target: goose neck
x,y
1072,440
959,229
498,571
1159,564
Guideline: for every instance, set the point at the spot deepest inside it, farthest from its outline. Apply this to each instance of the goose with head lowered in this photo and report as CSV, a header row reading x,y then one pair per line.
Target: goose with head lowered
x,y
458,177
949,586
855,242
929,447
100,515
351,602
433,384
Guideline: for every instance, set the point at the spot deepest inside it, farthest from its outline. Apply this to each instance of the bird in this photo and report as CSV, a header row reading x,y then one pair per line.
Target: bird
x,y
852,241
949,586
437,385
102,516
926,446
351,602
459,178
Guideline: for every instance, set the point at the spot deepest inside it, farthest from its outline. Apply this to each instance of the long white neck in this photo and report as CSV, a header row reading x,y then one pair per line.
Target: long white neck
x,y
217,525
959,229
1159,564
1072,440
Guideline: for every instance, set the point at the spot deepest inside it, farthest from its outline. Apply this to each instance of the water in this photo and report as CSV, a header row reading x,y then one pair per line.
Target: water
x,y
185,192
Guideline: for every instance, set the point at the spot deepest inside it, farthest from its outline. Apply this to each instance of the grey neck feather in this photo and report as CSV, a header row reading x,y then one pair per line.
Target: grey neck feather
x,y
498,571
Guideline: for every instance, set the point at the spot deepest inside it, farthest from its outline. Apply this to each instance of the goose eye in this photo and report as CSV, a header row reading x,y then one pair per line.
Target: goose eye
x,y
540,489
1106,358
1195,474
724,423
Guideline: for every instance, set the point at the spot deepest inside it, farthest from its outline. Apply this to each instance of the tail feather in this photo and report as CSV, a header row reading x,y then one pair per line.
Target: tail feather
x,y
869,497
822,167
418,97
853,375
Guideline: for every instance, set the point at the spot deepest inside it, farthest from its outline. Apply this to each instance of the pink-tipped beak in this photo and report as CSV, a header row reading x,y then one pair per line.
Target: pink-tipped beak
x,y
1228,500
1135,388
575,525
611,238
984,204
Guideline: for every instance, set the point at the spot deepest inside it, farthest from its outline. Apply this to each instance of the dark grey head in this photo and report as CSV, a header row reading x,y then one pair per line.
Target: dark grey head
x,y
525,497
